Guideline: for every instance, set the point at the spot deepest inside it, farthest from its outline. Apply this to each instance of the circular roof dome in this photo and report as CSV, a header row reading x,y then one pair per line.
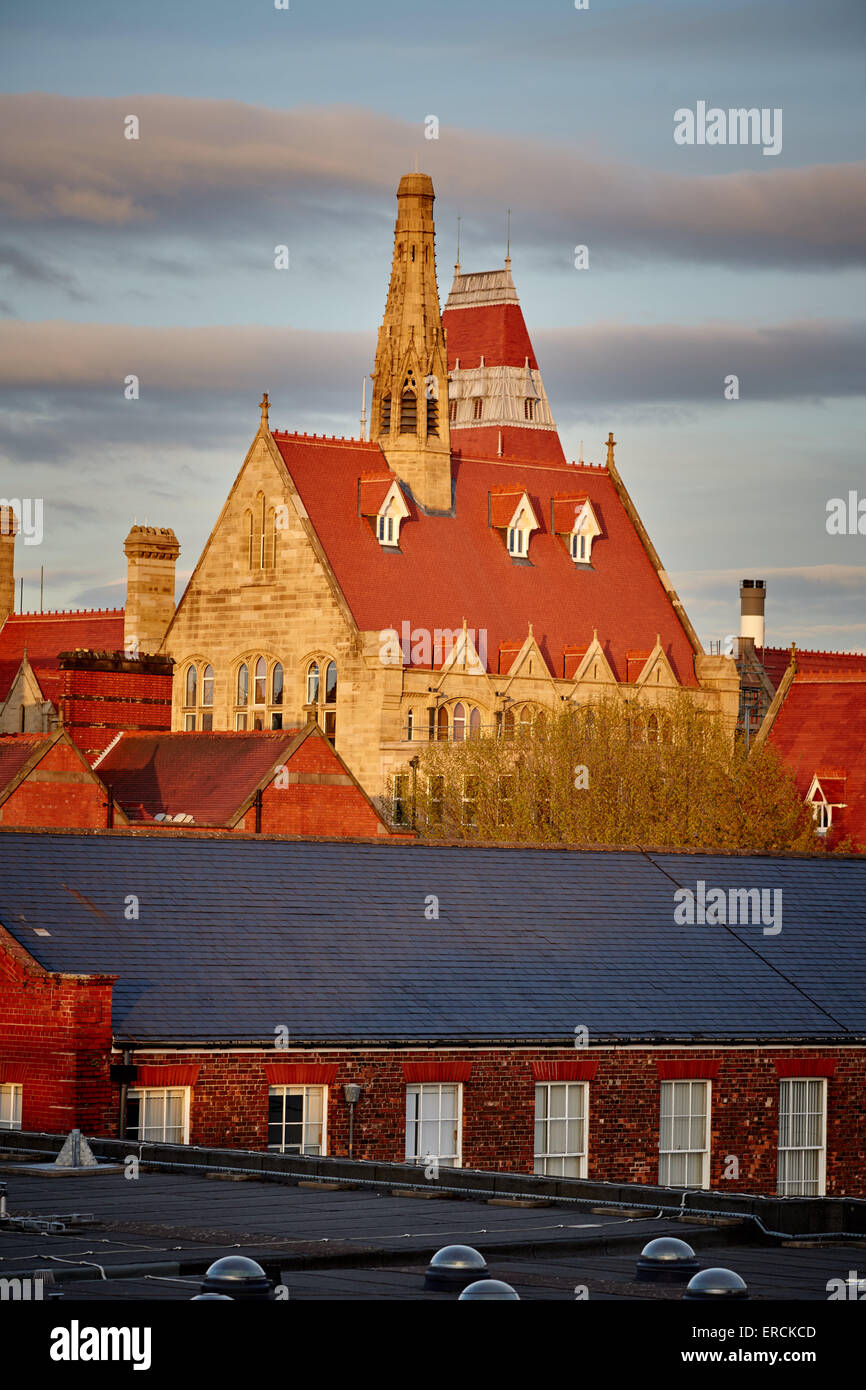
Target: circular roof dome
x,y
716,1283
667,1260
488,1288
455,1266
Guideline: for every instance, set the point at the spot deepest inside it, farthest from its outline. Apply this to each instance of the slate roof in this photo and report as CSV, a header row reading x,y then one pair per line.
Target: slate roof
x,y
43,636
235,938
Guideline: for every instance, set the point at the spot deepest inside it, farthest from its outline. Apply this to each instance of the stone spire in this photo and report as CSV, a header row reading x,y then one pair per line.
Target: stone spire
x,y
409,408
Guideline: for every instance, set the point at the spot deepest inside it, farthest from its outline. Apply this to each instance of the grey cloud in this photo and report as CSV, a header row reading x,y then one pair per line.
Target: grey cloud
x,y
210,167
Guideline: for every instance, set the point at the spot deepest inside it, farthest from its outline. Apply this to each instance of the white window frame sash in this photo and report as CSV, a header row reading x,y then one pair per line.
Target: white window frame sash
x,y
458,1158
288,1086
705,1163
822,1152
14,1089
582,1158
139,1091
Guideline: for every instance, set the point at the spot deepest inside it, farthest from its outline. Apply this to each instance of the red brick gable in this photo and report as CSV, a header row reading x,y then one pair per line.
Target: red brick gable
x,y
58,788
455,566
44,635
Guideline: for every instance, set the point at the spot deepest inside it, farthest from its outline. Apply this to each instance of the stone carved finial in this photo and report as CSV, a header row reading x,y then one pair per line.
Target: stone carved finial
x,y
610,447
264,405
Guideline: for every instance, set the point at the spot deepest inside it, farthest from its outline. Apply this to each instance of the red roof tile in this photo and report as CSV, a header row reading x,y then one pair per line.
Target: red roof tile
x,y
776,661
44,635
451,567
208,776
15,751
496,332
514,441
822,725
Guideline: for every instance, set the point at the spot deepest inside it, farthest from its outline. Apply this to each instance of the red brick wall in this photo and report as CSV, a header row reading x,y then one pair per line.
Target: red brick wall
x,y
57,802
229,1107
315,807
58,1028
96,705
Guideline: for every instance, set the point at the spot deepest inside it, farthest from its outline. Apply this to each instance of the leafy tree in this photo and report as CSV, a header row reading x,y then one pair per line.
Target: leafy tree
x,y
610,773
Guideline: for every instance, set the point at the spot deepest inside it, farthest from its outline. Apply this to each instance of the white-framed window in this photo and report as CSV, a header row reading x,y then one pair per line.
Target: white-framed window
x,y
434,1122
823,814
684,1134
802,1137
159,1114
580,545
560,1128
516,540
10,1105
386,530
298,1120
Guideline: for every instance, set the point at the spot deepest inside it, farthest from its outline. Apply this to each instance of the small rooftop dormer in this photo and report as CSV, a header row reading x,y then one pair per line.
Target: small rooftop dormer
x,y
381,501
512,514
575,521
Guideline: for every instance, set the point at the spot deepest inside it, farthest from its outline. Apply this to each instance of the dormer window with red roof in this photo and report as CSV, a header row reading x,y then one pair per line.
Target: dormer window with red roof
x,y
574,519
390,517
826,795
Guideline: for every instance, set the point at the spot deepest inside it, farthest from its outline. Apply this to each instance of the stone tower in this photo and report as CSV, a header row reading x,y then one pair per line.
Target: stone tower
x,y
151,552
8,529
409,411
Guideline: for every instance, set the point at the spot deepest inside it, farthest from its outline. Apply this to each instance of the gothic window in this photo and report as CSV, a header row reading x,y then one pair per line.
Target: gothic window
x,y
242,696
248,518
409,407
313,683
207,686
322,693
458,728
529,408
410,725
260,681
452,411
385,418
475,724
191,683
432,416
277,685
442,724
477,404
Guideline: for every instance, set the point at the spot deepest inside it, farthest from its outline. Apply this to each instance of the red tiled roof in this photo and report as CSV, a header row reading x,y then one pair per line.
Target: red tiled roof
x,y
776,661
205,775
822,725
451,567
15,751
44,635
496,332
534,445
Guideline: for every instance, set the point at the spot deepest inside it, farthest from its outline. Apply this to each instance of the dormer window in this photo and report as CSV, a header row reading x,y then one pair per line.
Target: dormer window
x,y
580,546
584,528
391,514
520,529
826,795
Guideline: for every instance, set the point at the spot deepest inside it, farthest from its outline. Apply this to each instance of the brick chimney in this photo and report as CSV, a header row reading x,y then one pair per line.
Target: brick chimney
x,y
753,593
8,531
151,552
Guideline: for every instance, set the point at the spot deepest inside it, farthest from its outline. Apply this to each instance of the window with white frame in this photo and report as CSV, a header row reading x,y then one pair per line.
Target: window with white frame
x,y
802,1137
560,1128
10,1105
433,1122
297,1119
158,1113
684,1156
386,530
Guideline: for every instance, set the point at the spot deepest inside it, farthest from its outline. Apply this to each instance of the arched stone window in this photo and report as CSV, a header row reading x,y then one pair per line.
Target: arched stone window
x,y
191,684
409,407
458,729
321,684
442,724
207,686
260,681
475,724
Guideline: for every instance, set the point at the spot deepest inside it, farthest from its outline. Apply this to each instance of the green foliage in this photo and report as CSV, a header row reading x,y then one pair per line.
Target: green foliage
x,y
670,776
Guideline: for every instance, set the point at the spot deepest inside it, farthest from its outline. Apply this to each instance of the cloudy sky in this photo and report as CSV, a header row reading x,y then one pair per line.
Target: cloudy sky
x,y
261,127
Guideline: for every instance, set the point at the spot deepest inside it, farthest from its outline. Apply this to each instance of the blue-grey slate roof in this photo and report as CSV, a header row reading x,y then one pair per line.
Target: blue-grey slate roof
x,y
235,938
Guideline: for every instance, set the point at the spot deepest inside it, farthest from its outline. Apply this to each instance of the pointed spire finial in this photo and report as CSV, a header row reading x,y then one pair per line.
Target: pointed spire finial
x,y
264,406
508,239
580,455
457,262
364,408
530,629
610,447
